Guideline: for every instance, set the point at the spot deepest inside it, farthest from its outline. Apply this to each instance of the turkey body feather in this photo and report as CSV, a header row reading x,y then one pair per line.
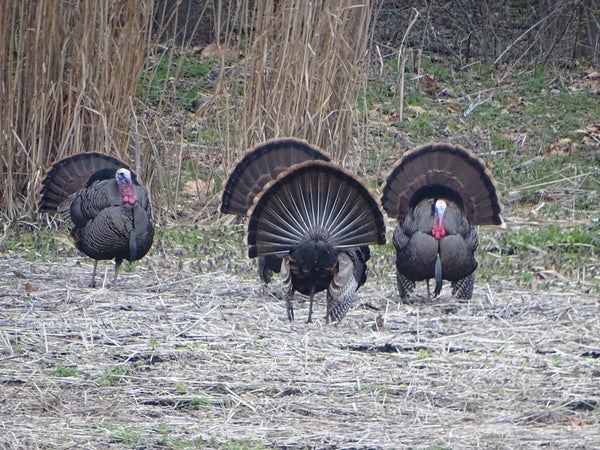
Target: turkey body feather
x,y
437,193
108,213
419,248
309,219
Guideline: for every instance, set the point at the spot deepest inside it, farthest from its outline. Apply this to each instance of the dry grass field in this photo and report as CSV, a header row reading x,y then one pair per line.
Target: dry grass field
x,y
179,359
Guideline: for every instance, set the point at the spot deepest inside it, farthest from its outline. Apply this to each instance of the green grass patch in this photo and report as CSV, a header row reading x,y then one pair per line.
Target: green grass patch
x,y
573,242
414,97
440,71
424,353
336,398
219,243
375,94
34,243
175,442
176,82
378,388
121,433
522,253
64,372
199,402
422,125
437,446
241,444
213,247
113,376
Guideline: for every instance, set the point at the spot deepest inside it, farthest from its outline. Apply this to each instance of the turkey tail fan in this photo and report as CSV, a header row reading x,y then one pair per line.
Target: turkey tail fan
x,y
443,169
314,199
69,175
259,166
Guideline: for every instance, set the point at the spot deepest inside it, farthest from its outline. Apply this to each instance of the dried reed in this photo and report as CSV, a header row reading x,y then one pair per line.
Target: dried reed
x,y
303,64
74,72
69,72
167,129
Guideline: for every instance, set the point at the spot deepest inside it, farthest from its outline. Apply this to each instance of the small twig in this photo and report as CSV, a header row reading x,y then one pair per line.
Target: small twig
x,y
489,295
196,322
402,63
136,141
380,61
7,344
45,337
472,106
548,183
4,235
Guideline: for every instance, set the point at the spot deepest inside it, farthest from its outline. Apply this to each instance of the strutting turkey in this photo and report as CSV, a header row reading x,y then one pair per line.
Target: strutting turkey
x,y
107,211
259,166
437,192
309,219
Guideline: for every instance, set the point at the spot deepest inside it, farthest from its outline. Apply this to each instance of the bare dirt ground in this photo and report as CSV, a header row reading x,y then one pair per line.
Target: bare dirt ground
x,y
176,359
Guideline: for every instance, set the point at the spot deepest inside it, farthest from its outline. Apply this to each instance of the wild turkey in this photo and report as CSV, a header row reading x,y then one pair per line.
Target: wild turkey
x,y
107,211
437,192
259,166
313,222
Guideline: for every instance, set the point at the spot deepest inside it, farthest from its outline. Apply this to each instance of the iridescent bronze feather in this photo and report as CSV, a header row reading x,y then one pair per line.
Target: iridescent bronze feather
x,y
106,210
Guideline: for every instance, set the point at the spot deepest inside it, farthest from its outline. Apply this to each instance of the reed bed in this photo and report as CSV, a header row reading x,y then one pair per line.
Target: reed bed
x,y
283,69
69,74
168,130
303,69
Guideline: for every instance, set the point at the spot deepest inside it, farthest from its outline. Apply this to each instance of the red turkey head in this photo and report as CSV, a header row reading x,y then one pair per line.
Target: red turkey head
x,y
438,219
123,177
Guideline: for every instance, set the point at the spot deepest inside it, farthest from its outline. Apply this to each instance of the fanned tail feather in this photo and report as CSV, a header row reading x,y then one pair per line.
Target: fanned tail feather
x,y
450,170
69,175
314,198
259,166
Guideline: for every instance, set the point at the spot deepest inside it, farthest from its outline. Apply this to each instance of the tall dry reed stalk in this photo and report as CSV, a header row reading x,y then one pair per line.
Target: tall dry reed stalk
x,y
303,69
69,71
169,131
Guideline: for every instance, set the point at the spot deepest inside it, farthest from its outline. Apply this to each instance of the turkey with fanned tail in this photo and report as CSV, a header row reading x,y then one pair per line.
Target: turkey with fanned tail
x,y
106,210
257,167
437,192
314,223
